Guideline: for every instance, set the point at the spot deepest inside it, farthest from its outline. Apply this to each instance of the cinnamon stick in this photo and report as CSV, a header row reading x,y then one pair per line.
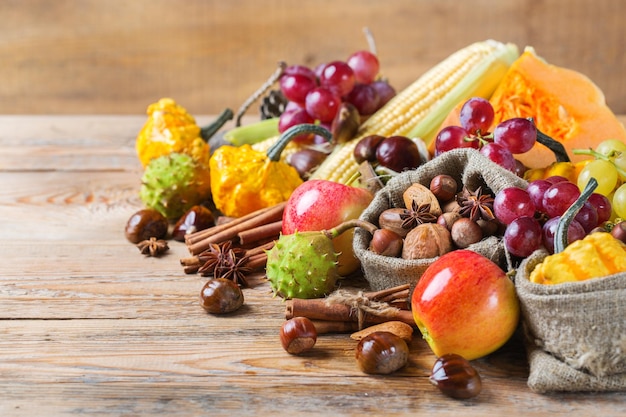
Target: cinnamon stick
x,y
319,309
257,262
232,229
260,232
192,238
260,249
325,326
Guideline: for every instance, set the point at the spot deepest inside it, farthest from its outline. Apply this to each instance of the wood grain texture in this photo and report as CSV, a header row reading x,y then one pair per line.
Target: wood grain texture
x,y
116,57
89,326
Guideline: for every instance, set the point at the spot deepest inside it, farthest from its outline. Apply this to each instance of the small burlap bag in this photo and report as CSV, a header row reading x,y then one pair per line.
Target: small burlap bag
x,y
575,332
467,167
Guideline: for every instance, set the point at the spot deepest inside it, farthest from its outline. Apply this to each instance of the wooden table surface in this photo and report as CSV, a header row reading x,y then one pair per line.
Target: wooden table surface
x,y
92,327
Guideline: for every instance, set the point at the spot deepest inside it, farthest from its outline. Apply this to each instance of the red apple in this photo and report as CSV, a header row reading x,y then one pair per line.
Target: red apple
x,y
320,205
465,304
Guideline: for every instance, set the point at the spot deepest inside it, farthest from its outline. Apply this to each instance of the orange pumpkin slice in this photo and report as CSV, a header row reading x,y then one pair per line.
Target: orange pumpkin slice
x,y
565,105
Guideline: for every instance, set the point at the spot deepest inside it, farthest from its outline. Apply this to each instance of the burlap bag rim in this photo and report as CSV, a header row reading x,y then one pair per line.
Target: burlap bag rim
x,y
561,355
467,166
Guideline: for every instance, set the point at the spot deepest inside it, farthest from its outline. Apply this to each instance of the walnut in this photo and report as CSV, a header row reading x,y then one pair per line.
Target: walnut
x,y
426,241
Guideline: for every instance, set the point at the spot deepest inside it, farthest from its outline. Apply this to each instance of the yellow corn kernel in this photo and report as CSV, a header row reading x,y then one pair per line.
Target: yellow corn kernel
x,y
418,110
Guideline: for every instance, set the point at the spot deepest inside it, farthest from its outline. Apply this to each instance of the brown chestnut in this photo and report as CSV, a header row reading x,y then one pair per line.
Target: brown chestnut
x,y
619,231
221,295
365,149
298,335
346,123
381,353
398,153
195,219
306,160
144,224
455,377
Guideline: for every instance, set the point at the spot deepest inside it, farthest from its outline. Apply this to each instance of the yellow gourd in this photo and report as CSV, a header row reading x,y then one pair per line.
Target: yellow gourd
x,y
598,254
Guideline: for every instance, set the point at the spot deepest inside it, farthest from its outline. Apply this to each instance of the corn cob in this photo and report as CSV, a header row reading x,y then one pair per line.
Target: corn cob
x,y
418,110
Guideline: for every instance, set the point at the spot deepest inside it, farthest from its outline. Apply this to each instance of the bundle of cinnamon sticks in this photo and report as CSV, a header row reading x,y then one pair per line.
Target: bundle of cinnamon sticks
x,y
255,233
343,311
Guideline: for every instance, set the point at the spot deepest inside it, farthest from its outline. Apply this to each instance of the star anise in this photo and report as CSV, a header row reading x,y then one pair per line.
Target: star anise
x,y
224,261
476,205
416,215
153,246
213,257
234,268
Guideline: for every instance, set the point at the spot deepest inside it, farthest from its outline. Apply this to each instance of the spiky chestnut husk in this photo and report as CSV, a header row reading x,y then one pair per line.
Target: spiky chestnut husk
x,y
173,183
304,264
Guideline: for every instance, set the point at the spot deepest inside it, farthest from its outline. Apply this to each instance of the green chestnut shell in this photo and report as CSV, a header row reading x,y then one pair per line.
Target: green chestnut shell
x,y
172,184
302,265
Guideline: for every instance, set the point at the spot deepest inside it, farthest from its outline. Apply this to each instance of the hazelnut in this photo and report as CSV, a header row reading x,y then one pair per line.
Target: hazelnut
x,y
444,187
455,377
465,232
386,242
298,335
381,353
391,219
427,240
420,194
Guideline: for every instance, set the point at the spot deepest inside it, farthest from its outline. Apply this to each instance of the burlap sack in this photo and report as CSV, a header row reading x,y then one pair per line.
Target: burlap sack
x,y
466,166
575,332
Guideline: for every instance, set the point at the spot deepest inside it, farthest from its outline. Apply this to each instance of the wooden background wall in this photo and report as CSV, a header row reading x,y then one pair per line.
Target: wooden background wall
x,y
117,56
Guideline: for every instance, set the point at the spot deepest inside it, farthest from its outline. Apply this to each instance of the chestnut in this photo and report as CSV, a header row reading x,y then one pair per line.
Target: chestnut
x,y
306,160
619,231
455,377
382,353
398,153
221,295
346,123
365,149
195,219
298,335
144,224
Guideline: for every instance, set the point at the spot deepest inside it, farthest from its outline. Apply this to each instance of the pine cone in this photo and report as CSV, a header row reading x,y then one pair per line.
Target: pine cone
x,y
273,105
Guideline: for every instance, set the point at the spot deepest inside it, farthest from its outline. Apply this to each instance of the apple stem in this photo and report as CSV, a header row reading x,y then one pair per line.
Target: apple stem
x,y
350,224
560,236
